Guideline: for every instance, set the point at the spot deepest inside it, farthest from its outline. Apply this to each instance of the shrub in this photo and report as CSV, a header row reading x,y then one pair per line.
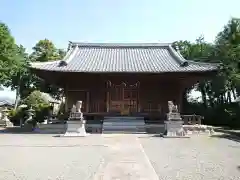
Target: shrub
x,y
35,99
219,115
16,115
39,104
41,112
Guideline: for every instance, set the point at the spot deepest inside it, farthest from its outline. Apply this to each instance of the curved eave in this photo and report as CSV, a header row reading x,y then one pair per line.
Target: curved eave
x,y
126,72
199,67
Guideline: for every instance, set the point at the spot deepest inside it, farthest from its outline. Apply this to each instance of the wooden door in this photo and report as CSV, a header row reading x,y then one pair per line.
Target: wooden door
x,y
124,98
116,98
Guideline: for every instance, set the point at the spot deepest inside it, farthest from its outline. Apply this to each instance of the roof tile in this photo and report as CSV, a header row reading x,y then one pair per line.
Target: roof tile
x,y
154,58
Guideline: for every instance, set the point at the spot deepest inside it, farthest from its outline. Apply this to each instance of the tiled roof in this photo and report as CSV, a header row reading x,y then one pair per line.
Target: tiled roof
x,y
105,57
6,102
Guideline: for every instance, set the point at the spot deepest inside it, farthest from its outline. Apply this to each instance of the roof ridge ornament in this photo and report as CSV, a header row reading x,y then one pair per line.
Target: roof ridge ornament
x,y
62,63
178,57
72,50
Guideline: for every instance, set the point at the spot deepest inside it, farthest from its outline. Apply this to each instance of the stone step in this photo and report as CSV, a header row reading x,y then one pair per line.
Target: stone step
x,y
123,118
123,132
123,127
120,124
51,128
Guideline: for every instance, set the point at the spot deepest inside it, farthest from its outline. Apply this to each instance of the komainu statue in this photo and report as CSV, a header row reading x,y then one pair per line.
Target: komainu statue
x,y
79,106
73,110
172,108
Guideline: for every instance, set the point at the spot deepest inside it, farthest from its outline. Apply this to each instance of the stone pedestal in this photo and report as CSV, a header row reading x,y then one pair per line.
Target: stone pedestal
x,y
174,117
75,128
174,126
76,123
174,129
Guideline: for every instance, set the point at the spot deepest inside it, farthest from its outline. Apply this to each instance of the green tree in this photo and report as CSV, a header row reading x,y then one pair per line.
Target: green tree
x,y
200,51
45,51
7,53
13,62
20,78
228,51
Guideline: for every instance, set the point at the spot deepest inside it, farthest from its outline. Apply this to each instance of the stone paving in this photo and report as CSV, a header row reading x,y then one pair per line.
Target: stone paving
x,y
117,157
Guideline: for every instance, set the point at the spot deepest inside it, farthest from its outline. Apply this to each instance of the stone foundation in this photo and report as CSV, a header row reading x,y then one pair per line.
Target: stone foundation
x,y
51,128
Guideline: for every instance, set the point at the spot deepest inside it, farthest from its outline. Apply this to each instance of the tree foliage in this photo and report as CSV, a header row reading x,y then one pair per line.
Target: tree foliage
x,y
15,62
35,99
7,53
44,51
218,92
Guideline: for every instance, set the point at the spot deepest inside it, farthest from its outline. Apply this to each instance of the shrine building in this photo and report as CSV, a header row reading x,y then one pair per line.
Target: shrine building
x,y
123,79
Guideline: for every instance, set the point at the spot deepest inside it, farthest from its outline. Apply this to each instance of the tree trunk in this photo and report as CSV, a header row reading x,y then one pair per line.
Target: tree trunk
x,y
204,98
234,93
229,97
17,92
17,98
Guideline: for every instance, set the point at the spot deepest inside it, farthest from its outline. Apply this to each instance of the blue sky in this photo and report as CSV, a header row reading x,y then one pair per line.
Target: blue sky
x,y
115,21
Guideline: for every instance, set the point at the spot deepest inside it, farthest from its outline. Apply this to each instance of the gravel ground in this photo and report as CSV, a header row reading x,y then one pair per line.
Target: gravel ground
x,y
42,157
199,157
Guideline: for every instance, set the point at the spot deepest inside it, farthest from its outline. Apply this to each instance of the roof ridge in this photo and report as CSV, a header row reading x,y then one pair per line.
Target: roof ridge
x,y
203,63
118,45
44,63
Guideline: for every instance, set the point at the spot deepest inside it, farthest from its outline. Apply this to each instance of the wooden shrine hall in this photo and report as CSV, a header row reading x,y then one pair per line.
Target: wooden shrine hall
x,y
123,79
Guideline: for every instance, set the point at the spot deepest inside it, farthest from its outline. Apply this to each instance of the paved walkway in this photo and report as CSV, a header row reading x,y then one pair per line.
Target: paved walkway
x,y
126,160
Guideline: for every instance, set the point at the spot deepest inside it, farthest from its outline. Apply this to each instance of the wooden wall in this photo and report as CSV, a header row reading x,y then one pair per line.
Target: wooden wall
x,y
153,93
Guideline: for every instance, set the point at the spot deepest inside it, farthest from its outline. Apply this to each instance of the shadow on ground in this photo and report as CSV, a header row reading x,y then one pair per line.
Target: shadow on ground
x,y
19,130
51,146
28,130
227,133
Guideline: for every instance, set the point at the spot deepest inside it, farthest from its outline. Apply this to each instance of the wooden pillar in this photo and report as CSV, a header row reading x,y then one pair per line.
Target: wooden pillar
x,y
88,101
66,99
138,97
138,100
180,96
108,99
